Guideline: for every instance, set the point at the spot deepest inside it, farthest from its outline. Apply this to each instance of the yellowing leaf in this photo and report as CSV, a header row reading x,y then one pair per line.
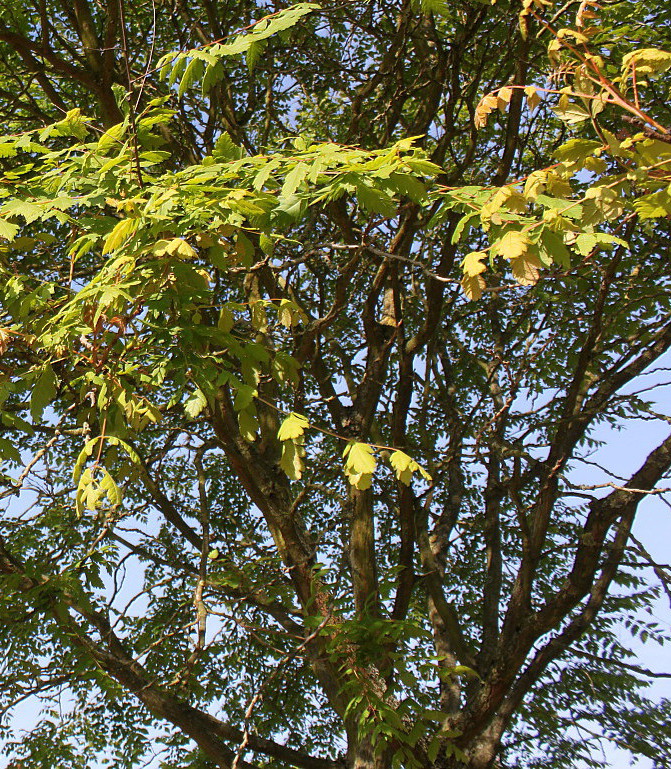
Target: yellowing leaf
x,y
482,111
503,97
289,313
473,286
404,466
292,427
7,149
244,249
512,245
180,247
122,231
195,403
574,152
472,263
535,184
533,97
7,230
569,112
292,460
557,185
647,61
654,206
360,464
525,269
606,201
505,197
259,317
92,492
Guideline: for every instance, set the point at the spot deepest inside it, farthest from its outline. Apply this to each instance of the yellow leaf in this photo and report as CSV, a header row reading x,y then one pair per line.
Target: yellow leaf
x,y
533,97
513,245
647,61
291,461
503,97
292,427
535,184
359,457
404,466
360,464
525,269
180,247
473,286
122,231
487,104
472,263
361,481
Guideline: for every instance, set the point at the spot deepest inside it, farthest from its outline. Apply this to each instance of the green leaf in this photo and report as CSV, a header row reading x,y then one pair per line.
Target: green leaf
x,y
553,249
226,320
376,201
285,368
194,71
244,396
434,715
43,393
122,231
294,179
8,231
254,53
248,423
111,139
8,451
195,403
654,206
423,167
409,186
226,150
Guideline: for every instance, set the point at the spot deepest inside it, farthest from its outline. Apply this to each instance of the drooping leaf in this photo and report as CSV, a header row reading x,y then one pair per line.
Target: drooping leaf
x,y
292,427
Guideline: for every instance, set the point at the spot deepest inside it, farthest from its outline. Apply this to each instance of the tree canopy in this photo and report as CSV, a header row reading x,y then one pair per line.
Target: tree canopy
x,y
310,317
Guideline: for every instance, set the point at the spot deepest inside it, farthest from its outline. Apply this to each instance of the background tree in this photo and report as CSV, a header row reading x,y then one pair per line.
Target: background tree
x,y
322,313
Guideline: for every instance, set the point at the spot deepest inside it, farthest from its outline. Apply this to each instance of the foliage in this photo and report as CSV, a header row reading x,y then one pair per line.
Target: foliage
x,y
309,320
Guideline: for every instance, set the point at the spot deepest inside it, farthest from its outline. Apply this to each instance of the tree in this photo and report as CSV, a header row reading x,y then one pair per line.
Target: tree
x,y
306,328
